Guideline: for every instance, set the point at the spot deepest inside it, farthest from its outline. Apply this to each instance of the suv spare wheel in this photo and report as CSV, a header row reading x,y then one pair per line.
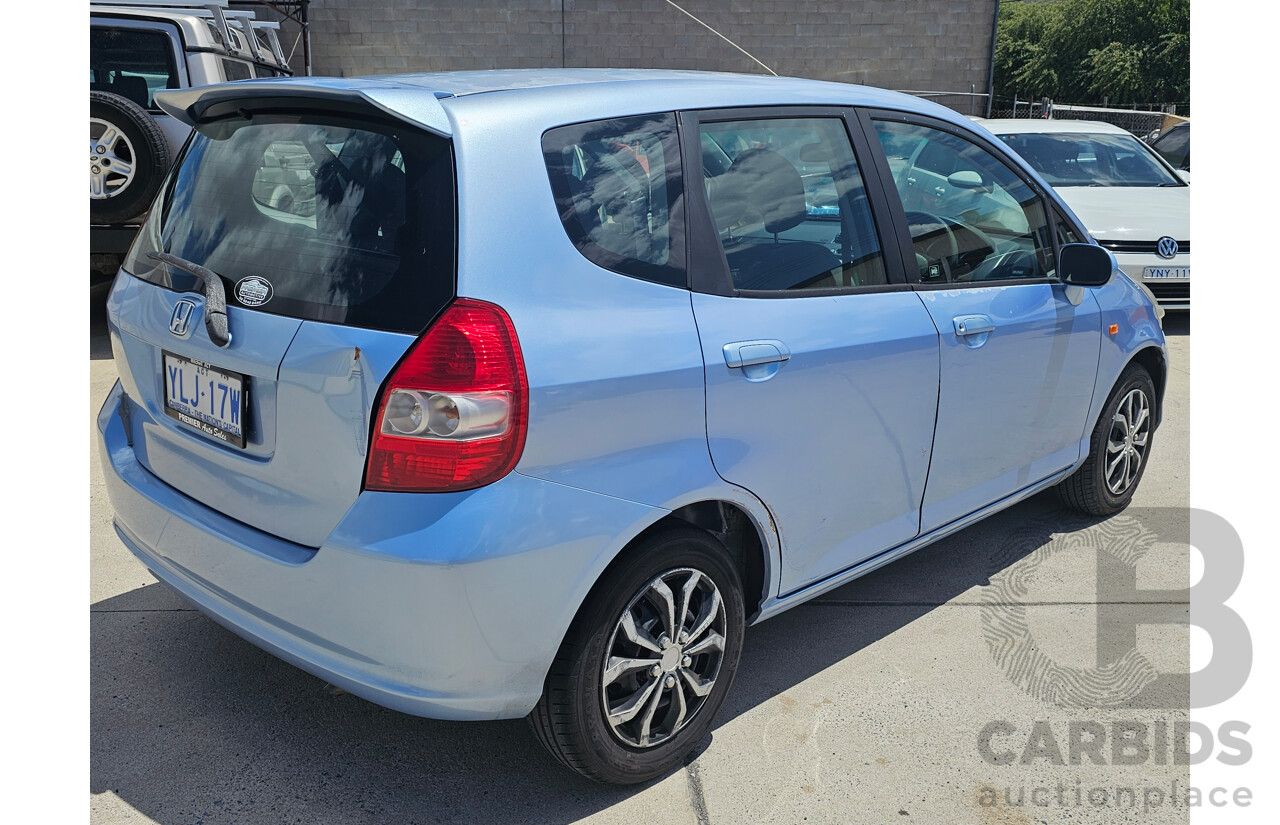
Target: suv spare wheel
x,y
128,157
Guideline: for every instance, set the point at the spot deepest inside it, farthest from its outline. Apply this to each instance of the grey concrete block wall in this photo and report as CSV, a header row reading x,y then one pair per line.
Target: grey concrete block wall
x,y
926,45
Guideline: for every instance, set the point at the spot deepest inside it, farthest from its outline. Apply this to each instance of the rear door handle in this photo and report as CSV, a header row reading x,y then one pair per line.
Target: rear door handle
x,y
758,360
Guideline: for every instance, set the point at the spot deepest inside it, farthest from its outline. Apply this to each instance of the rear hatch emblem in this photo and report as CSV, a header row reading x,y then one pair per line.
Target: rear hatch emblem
x,y
253,291
180,321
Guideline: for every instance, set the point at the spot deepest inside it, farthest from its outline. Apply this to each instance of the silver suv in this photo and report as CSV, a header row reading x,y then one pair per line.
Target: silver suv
x,y
137,47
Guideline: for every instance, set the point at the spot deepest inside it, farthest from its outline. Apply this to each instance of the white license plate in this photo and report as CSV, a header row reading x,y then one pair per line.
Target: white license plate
x,y
1165,273
205,398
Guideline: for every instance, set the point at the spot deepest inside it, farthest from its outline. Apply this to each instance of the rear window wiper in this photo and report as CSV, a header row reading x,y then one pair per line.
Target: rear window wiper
x,y
215,297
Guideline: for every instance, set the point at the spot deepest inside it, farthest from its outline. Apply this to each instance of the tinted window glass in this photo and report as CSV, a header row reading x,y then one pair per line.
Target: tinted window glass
x,y
236,69
617,187
1066,234
1175,146
350,222
131,63
788,201
1071,159
977,222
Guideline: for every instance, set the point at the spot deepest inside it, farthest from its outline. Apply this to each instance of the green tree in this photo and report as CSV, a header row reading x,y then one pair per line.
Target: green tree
x,y
1130,51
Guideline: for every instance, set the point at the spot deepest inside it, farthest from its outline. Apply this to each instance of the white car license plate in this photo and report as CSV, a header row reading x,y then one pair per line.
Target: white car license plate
x,y
1164,273
205,398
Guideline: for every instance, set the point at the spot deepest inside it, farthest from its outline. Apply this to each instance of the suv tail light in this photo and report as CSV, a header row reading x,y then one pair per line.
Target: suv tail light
x,y
453,414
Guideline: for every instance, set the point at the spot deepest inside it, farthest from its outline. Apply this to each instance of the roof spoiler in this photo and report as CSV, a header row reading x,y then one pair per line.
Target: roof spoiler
x,y
411,104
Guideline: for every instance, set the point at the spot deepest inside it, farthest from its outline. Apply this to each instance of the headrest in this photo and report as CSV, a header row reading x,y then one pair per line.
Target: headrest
x,y
615,182
132,87
761,183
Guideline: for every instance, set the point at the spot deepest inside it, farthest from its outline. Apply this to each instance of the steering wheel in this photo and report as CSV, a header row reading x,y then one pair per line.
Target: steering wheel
x,y
977,249
1013,265
933,240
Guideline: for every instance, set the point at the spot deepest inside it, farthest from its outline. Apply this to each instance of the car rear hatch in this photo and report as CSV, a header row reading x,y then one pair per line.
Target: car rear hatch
x,y
329,224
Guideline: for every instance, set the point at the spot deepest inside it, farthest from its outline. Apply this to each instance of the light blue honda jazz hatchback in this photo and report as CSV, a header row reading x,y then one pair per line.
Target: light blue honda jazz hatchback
x,y
504,394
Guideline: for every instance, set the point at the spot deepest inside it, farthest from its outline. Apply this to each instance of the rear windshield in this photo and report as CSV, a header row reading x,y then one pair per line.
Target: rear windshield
x,y
335,220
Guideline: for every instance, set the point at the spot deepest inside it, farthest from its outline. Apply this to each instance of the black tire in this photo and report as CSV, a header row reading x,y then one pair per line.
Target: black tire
x,y
141,144
570,718
1087,490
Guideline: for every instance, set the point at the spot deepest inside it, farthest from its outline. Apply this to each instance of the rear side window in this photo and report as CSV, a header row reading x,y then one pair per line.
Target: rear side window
x,y
236,69
324,219
617,188
789,205
132,63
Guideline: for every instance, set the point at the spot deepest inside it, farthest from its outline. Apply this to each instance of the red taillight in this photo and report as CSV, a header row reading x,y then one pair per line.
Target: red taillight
x,y
453,414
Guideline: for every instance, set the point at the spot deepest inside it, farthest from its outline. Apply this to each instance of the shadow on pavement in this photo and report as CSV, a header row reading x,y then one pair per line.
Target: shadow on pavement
x,y
192,724
1176,323
99,342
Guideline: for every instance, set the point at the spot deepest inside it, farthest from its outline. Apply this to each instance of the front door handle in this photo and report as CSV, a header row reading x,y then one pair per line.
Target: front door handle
x,y
758,360
972,324
973,330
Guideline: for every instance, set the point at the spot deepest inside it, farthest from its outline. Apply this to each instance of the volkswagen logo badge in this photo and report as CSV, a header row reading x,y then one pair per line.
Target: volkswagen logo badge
x,y
1166,247
180,321
254,291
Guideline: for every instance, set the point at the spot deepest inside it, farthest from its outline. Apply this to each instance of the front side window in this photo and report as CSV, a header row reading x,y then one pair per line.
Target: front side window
x,y
1071,159
350,222
788,202
971,217
617,187
1066,234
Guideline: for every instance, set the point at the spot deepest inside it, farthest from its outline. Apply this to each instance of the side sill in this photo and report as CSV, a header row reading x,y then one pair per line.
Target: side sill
x,y
784,603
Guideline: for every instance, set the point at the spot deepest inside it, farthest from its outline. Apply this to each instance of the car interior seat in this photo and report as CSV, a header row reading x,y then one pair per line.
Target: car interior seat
x,y
760,197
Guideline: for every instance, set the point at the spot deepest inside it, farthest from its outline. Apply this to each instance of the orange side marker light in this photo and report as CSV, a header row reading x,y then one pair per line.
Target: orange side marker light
x,y
1113,329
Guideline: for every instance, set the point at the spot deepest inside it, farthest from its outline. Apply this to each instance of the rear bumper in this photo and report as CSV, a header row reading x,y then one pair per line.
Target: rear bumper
x,y
450,606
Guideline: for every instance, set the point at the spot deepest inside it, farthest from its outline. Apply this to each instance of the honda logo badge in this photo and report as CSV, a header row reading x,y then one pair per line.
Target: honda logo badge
x,y
181,319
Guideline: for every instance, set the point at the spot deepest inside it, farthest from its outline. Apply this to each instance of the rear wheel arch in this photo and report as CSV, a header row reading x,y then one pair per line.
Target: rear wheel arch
x,y
607,686
733,525
740,533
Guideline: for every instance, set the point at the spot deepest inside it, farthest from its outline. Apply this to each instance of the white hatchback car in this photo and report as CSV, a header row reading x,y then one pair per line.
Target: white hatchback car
x,y
1130,199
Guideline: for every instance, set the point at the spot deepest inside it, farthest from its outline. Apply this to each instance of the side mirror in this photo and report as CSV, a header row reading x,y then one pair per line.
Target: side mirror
x,y
965,179
1083,264
1185,174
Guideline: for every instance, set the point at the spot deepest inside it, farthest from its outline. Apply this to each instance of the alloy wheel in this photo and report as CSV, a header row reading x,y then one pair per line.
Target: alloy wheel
x,y
111,159
1127,441
663,658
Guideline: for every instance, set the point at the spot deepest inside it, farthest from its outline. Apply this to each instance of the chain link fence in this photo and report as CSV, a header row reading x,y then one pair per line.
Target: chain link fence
x,y
1140,122
1143,122
973,104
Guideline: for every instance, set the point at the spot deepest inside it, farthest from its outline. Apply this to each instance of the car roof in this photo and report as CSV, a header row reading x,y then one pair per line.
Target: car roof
x,y
559,95
1017,126
193,27
570,81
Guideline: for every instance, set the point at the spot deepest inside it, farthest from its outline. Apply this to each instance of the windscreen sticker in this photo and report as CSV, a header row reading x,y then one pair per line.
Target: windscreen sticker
x,y
253,291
